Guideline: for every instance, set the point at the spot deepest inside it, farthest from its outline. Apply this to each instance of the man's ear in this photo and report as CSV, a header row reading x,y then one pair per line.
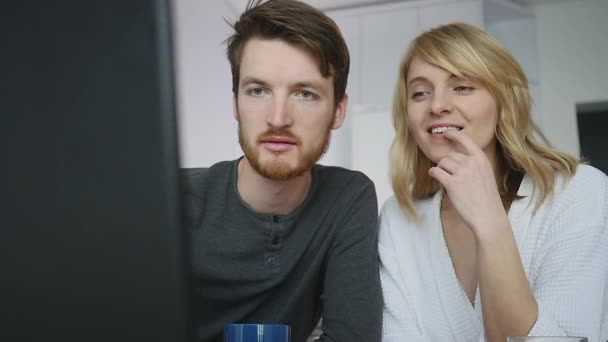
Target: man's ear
x,y
340,114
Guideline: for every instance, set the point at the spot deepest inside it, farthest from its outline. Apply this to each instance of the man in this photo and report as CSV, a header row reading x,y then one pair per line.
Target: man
x,y
277,238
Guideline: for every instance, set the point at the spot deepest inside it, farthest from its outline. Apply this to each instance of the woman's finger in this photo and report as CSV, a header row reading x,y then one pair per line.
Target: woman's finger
x,y
449,165
469,147
440,175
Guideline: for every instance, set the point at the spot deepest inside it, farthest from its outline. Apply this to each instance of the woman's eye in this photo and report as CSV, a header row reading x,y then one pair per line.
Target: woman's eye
x,y
417,94
464,89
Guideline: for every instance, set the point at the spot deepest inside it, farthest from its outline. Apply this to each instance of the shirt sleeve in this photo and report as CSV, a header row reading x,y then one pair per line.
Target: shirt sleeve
x,y
191,188
571,272
351,297
399,320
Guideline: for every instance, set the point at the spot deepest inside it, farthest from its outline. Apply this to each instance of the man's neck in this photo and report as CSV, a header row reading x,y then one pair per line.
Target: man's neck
x,y
269,196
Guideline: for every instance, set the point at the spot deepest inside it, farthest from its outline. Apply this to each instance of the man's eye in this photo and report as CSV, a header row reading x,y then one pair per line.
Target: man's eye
x,y
307,95
256,91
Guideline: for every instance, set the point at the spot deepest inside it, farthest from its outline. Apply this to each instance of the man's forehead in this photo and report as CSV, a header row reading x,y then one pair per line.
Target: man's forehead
x,y
279,55
275,61
294,82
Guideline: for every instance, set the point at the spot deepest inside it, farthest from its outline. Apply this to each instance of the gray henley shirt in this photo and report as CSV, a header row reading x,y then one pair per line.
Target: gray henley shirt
x,y
321,260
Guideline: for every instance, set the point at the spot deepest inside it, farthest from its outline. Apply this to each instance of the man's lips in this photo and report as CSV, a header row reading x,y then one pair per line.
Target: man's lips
x,y
278,144
278,140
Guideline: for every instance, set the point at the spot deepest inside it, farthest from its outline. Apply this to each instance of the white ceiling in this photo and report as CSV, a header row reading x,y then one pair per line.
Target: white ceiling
x,y
239,5
331,4
321,4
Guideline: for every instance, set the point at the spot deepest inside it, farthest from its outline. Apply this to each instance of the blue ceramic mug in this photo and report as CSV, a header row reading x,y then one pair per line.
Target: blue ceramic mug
x,y
257,333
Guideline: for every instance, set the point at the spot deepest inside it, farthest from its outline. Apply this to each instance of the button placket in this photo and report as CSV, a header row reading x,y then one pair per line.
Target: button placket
x,y
271,260
274,238
273,247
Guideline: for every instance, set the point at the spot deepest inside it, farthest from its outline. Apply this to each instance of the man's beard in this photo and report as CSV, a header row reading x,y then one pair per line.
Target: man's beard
x,y
277,169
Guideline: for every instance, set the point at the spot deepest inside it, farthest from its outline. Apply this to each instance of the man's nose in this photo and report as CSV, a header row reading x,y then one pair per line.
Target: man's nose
x,y
279,116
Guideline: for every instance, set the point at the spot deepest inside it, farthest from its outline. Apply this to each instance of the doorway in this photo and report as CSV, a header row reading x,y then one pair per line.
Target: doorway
x,y
592,121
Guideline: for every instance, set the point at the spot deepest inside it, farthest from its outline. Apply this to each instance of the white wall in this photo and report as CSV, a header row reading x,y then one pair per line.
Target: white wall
x,y
373,134
208,131
519,36
573,64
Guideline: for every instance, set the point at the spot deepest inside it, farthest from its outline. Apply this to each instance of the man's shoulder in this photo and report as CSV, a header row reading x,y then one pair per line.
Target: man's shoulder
x,y
345,188
337,175
195,179
193,173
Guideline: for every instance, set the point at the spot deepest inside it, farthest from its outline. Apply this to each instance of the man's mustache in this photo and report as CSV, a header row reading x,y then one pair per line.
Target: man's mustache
x,y
279,133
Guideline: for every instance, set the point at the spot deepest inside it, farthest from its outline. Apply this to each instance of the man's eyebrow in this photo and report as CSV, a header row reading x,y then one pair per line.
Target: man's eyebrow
x,y
302,84
309,84
254,80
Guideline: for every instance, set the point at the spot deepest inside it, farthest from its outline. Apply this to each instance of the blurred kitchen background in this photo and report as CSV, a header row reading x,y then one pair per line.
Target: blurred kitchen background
x,y
561,44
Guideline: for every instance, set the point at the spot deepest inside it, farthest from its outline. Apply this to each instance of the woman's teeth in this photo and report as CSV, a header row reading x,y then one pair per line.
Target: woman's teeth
x,y
443,129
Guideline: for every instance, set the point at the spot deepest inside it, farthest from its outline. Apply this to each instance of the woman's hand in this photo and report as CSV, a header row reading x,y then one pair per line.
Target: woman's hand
x,y
468,178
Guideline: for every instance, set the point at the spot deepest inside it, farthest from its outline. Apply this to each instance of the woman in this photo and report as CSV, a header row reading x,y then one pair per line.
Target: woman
x,y
490,233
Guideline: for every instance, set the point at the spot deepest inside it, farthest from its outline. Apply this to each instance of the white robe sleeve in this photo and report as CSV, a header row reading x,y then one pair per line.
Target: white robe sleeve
x,y
399,319
570,271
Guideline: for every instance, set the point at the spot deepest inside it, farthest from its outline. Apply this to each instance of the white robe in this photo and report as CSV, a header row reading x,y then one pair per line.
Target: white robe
x,y
564,251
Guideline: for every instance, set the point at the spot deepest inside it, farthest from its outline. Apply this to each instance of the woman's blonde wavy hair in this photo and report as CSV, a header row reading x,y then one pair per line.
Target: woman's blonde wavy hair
x,y
466,51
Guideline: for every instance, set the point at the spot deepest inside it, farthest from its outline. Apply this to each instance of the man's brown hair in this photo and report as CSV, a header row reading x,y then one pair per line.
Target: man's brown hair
x,y
297,24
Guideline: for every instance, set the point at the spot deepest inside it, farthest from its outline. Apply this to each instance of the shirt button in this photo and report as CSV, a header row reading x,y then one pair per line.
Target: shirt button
x,y
275,218
276,240
271,260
